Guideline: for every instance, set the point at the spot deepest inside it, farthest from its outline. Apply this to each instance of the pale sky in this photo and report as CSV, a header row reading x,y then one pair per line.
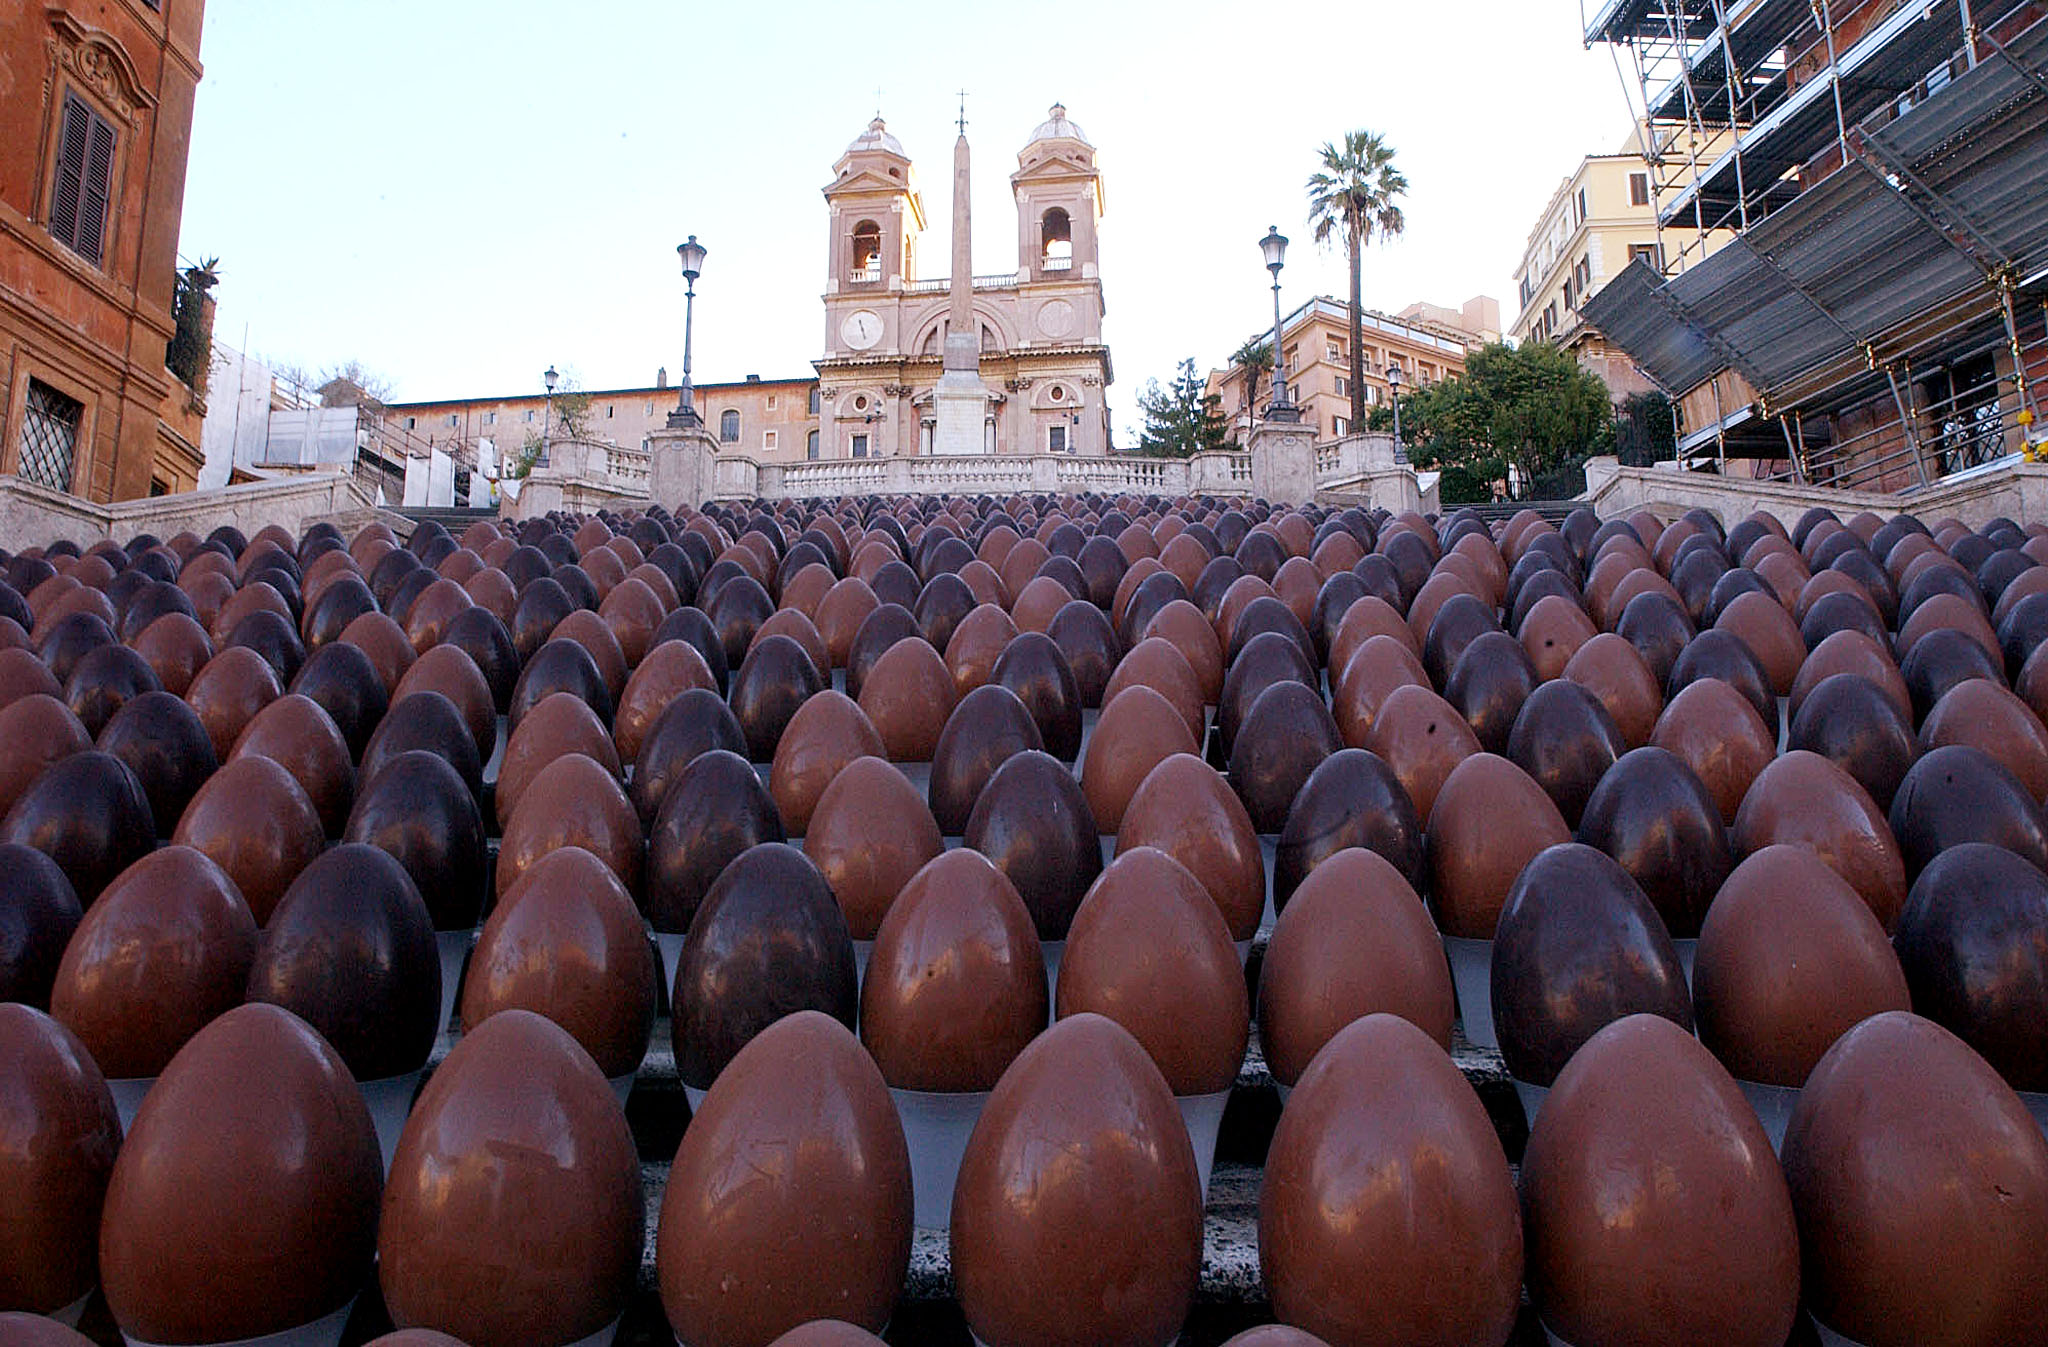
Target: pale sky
x,y
460,193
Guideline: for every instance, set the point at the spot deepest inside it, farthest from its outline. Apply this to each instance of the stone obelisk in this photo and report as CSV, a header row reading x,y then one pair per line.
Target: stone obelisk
x,y
960,402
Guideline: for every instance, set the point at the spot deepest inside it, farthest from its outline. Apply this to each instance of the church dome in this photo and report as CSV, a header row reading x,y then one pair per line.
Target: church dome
x,y
876,137
1057,127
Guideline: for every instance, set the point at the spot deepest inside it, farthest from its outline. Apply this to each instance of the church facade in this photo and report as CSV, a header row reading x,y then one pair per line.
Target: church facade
x,y
1026,372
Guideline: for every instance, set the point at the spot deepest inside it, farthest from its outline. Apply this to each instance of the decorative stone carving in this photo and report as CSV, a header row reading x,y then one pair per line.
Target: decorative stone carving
x,y
97,62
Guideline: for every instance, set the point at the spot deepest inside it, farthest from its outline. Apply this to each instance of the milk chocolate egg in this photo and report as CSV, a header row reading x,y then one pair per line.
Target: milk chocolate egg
x,y
715,809
975,646
1613,671
1354,941
453,674
574,802
255,821
955,987
1352,799
1921,1187
1286,736
1565,740
827,732
1653,1204
297,735
1849,719
819,1224
21,674
58,1137
39,911
1183,998
244,1200
568,943
350,949
1488,822
1384,1179
1081,1134
1762,624
1986,716
1971,939
908,694
1790,958
664,674
989,726
1033,668
1137,731
35,731
229,691
1659,820
87,813
513,1213
1035,824
768,941
417,810
1422,738
1158,664
1717,734
176,649
1577,948
561,724
1806,799
1853,652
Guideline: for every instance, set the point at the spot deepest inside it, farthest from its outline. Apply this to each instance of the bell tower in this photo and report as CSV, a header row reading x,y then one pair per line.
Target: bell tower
x,y
1058,190
876,215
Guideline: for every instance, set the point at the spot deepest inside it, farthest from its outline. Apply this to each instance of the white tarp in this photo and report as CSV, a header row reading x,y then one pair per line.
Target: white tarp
x,y
319,436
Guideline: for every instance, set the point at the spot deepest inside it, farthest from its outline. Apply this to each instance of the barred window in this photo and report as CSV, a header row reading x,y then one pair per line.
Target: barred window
x,y
49,436
84,182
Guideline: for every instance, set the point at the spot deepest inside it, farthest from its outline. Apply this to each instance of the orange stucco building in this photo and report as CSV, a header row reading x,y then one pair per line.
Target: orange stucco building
x,y
96,102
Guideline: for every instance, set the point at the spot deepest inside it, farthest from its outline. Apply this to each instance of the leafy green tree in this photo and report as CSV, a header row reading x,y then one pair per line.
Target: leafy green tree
x,y
1355,198
1182,418
1644,433
1530,407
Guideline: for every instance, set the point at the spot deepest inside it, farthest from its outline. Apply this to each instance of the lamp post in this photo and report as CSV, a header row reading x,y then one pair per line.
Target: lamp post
x,y
547,414
1394,384
1282,407
685,417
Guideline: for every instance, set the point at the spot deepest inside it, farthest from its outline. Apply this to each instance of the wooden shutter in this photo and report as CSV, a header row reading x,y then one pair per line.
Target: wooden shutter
x,y
99,187
82,193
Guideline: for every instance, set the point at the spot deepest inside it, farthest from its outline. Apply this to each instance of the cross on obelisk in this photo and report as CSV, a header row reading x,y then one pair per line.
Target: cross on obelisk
x,y
963,112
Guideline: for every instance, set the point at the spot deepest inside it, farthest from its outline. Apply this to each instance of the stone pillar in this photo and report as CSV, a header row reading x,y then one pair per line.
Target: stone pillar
x,y
681,460
1283,463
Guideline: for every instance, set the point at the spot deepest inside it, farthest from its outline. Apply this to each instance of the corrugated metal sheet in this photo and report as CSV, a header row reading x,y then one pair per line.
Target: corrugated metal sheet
x,y
1628,309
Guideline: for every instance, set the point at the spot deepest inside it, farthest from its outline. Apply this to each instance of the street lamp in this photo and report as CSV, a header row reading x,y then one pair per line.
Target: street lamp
x,y
547,414
685,417
1282,408
1394,383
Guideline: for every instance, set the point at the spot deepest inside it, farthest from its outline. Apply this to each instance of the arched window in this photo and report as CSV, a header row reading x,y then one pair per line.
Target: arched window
x,y
811,447
1056,241
814,399
867,252
729,427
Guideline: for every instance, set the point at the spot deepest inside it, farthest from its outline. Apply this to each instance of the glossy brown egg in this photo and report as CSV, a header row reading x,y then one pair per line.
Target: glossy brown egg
x,y
1553,632
1384,1183
1857,653
255,821
1137,732
633,610
1149,950
58,1137
908,695
35,731
1186,809
768,941
1033,668
561,724
1715,732
573,802
1488,822
567,943
385,642
297,735
988,727
1034,822
1655,817
1286,736
975,646
1806,799
446,669
1790,958
1611,669
1077,1215
1985,716
177,648
1762,624
871,831
667,671
21,674
955,987
1181,624
839,615
1354,941
437,605
513,1213
715,808
819,1223
1423,738
1653,1204
1902,1131
244,1201
418,810
828,731
229,691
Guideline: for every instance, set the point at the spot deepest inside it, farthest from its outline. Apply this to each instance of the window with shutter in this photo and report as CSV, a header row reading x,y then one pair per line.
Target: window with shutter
x,y
82,194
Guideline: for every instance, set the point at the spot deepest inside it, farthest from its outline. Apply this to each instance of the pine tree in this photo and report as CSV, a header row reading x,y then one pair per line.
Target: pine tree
x,y
1183,418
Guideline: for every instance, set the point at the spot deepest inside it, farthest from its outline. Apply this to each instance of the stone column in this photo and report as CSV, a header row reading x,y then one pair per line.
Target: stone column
x,y
681,460
1283,463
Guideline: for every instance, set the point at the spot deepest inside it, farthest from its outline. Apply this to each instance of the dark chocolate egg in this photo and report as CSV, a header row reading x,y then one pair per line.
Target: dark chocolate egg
x,y
1790,958
1091,647
880,630
562,665
58,1137
563,723
1958,794
417,810
1718,735
1385,1181
1565,740
1489,821
164,744
1352,799
1653,1205
988,727
696,722
566,942
453,674
955,987
105,680
35,731
341,679
1488,685
1611,669
1900,1132
1034,823
297,735
1422,738
255,821
350,949
1186,809
1286,736
229,691
1806,799
776,679
1149,950
574,802
39,911
1354,941
513,1212
1268,659
86,812
715,809
1848,718
1973,941
768,940
827,732
819,1224
1577,948
1077,1215
1659,820
1033,668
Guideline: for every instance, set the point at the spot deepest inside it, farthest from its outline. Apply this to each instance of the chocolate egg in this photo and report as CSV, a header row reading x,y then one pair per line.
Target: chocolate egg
x,y
1422,738
1488,685
350,950
1158,664
668,670
1081,1134
566,942
87,813
561,665
695,723
58,1137
821,1222
418,811
955,987
1033,821
21,674
574,802
1760,622
1958,794
1653,1204
39,911
1986,716
1137,731
1090,645
908,694
1033,668
561,724
1971,941
1804,798
1848,718
1385,1179
453,674
35,731
827,732
1284,738
106,679
1184,997
164,744
989,726
176,649
1790,958
1354,941
513,1212
1853,652
1352,799
254,820
1565,740
229,691
244,1200
975,646
1902,1131
1613,671
297,735
776,678
1658,819
1182,624
341,679
1718,735
768,940
1489,821
715,809
1186,809
1577,948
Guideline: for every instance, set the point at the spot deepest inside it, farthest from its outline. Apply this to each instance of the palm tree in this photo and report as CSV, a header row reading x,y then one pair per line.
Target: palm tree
x,y
1355,197
1255,358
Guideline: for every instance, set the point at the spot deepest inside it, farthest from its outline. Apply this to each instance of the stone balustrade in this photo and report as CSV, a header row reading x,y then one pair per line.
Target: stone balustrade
x,y
2015,490
32,514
